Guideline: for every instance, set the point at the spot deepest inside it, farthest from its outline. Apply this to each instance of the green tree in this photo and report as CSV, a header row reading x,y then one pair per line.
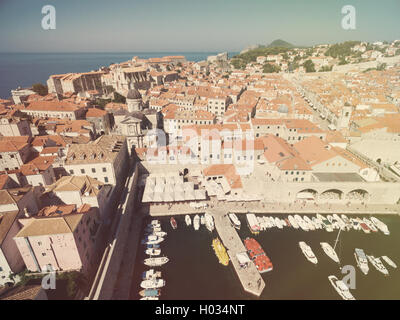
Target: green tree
x,y
119,98
271,68
309,66
40,89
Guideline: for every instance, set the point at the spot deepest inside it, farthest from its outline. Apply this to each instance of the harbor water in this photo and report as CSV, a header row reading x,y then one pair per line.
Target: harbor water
x,y
194,272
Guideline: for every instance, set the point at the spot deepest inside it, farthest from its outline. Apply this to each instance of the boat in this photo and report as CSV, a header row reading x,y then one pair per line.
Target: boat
x,y
293,222
155,222
253,223
309,223
330,252
347,221
151,274
355,224
209,222
301,222
149,298
370,225
341,288
153,252
377,263
380,225
267,222
152,284
220,252
188,220
363,226
389,262
157,240
317,223
152,229
288,222
261,223
202,220
258,255
308,253
361,259
196,222
234,221
160,233
173,222
278,223
325,223
272,222
155,262
150,293
340,222
153,246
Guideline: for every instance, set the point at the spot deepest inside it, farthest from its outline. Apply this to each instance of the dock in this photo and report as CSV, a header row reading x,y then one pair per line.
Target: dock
x,y
249,277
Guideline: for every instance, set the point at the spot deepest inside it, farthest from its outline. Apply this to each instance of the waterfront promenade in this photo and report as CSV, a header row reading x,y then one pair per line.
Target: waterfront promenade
x,y
249,277
272,208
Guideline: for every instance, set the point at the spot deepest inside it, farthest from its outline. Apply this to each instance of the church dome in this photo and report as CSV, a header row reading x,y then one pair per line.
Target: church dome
x,y
133,94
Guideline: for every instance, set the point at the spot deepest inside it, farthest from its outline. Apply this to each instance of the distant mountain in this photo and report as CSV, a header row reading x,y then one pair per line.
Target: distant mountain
x,y
280,43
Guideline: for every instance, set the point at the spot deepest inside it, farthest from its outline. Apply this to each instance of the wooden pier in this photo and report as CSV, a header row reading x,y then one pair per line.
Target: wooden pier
x,y
249,277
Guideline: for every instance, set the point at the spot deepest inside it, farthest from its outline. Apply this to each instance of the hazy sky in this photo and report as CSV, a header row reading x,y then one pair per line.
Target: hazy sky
x,y
186,25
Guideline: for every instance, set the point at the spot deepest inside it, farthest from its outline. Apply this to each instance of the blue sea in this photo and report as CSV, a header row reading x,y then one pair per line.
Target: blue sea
x,y
25,69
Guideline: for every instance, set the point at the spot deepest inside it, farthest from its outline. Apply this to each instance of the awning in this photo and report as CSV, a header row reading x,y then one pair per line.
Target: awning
x,y
168,196
179,195
200,194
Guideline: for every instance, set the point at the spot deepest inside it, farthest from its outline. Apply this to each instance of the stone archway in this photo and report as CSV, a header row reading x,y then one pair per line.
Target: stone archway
x,y
331,195
307,194
358,195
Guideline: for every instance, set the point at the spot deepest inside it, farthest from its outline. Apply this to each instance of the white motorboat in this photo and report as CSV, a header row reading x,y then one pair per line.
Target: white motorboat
x,y
325,223
234,221
272,222
278,223
340,222
152,239
156,262
341,288
260,221
361,259
209,222
347,221
380,225
293,222
309,223
160,233
253,223
267,222
377,263
308,253
188,220
153,252
330,252
151,274
152,284
316,222
301,223
355,224
196,222
202,220
151,229
389,262
155,222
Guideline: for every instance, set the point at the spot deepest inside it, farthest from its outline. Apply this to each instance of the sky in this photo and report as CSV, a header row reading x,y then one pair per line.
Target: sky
x,y
189,26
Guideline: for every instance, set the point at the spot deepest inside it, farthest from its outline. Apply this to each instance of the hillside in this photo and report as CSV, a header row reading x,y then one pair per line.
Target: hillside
x,y
280,43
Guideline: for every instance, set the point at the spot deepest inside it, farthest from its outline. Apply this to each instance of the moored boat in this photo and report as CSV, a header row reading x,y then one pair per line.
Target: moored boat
x,y
377,263
293,222
202,219
341,288
196,222
301,223
209,221
152,284
308,253
330,252
389,262
370,225
155,262
380,225
361,259
309,223
234,221
253,223
150,292
220,252
258,255
188,220
173,222
151,274
153,252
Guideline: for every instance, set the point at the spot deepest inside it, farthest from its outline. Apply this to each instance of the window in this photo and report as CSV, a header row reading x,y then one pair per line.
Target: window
x,y
71,171
93,170
43,254
82,170
104,169
105,179
39,243
12,156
